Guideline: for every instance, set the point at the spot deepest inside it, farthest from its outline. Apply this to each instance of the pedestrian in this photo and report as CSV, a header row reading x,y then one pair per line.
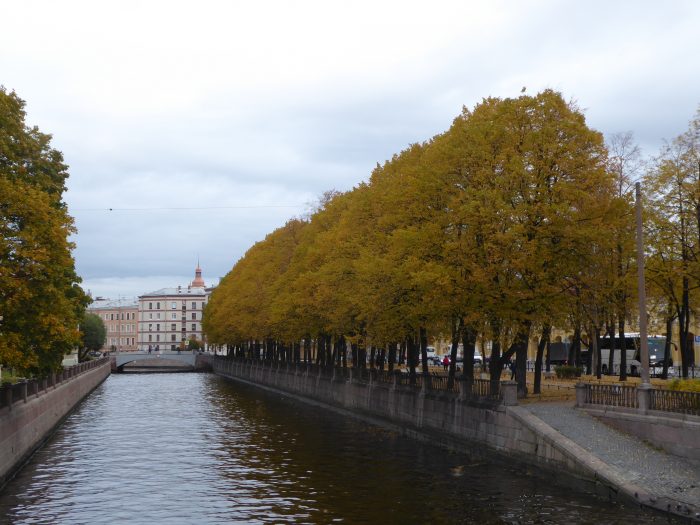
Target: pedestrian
x,y
446,362
512,370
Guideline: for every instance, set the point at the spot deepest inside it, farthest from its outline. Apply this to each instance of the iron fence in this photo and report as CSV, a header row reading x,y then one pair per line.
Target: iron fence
x,y
612,395
14,393
675,401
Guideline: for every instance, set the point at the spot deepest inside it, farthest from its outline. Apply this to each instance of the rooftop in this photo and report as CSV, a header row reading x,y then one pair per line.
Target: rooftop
x,y
186,291
102,303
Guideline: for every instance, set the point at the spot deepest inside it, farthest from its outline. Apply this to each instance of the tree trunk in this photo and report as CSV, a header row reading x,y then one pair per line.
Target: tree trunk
x,y
456,333
495,365
684,329
596,360
392,357
469,348
544,343
623,347
611,354
667,347
411,357
522,339
423,335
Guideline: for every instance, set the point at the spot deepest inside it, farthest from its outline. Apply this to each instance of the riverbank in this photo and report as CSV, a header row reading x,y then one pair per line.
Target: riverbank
x,y
32,411
461,423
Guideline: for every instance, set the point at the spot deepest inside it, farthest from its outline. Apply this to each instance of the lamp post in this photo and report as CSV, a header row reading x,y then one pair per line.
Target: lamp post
x,y
644,346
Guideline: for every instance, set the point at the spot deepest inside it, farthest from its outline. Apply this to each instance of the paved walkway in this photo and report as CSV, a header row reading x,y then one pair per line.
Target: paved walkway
x,y
636,461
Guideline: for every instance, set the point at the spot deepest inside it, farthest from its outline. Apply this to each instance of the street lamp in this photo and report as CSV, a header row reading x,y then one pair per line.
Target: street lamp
x,y
644,346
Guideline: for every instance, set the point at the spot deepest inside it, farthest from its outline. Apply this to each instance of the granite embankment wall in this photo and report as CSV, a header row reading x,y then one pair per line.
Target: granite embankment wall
x,y
31,411
678,434
468,424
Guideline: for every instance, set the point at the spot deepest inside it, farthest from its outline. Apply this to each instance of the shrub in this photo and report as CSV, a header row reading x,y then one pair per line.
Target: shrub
x,y
686,385
568,371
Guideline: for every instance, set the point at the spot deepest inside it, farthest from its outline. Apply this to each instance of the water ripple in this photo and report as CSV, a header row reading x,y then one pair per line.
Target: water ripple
x,y
192,448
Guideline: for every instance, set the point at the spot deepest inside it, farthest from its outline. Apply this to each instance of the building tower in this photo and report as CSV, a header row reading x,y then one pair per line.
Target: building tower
x,y
198,281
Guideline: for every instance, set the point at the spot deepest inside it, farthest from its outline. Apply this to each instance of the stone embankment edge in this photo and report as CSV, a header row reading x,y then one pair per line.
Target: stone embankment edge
x,y
593,467
676,433
544,448
25,428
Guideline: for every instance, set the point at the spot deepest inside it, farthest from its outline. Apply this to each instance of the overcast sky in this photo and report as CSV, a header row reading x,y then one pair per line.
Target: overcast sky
x,y
205,125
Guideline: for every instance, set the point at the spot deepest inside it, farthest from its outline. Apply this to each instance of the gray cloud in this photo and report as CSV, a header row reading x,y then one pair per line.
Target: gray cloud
x,y
180,105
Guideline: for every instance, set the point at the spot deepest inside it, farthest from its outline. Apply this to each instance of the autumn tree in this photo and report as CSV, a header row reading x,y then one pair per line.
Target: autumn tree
x,y
674,181
41,302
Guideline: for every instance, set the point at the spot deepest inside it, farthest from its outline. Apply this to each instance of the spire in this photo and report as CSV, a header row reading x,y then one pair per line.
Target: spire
x,y
198,281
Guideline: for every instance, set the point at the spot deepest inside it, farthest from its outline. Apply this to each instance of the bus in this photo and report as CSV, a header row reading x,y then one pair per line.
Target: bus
x,y
657,349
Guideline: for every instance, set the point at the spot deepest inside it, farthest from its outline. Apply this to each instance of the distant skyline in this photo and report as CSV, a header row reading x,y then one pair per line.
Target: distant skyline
x,y
193,130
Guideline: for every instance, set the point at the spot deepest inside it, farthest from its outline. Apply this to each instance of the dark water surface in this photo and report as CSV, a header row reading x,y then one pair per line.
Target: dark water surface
x,y
193,448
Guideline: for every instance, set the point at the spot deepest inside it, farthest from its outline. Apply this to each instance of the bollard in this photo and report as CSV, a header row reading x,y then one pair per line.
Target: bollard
x,y
509,389
644,397
24,390
581,394
8,396
465,387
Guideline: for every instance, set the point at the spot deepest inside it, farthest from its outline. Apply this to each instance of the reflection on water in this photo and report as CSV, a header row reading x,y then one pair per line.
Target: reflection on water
x,y
193,448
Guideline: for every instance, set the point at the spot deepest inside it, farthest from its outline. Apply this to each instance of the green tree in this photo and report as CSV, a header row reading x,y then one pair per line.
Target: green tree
x,y
92,335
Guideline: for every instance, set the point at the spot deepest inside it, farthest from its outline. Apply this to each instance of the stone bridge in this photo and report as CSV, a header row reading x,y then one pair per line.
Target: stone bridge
x,y
123,358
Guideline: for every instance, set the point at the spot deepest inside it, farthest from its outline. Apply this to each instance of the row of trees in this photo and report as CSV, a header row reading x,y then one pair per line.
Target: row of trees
x,y
515,220
41,302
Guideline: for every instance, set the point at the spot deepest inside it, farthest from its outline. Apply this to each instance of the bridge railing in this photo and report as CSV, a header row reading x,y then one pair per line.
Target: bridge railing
x,y
27,389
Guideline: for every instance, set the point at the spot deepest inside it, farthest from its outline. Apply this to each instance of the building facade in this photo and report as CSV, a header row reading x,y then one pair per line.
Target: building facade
x,y
120,318
170,317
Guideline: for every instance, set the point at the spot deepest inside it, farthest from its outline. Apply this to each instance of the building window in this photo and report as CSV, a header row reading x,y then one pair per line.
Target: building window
x,y
157,306
173,315
158,327
194,306
150,306
173,305
157,337
172,337
194,326
194,315
150,327
158,315
150,337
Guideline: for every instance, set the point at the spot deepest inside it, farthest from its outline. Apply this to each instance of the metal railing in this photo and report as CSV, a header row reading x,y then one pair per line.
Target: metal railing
x,y
433,383
612,395
675,401
23,390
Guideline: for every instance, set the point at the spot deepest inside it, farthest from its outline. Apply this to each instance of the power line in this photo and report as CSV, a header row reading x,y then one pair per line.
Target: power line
x,y
179,208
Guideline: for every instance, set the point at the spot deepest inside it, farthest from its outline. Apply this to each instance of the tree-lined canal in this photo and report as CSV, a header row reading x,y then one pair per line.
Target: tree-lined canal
x,y
193,448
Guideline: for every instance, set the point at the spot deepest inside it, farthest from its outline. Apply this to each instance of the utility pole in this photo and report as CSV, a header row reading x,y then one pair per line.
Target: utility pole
x,y
644,346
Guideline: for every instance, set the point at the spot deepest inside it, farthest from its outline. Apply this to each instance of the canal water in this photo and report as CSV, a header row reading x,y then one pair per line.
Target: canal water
x,y
194,448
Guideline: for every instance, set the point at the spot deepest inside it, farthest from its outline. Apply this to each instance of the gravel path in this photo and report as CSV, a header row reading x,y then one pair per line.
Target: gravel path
x,y
648,467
